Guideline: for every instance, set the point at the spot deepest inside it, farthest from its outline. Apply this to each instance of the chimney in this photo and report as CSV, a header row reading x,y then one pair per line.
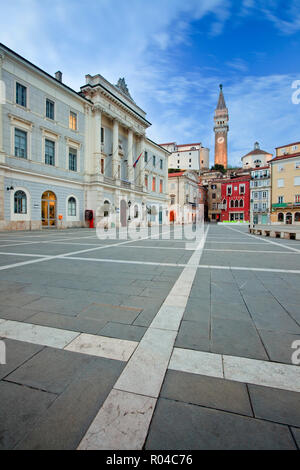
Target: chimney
x,y
58,76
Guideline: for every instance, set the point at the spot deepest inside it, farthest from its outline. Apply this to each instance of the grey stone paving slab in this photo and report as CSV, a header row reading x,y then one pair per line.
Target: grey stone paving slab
x,y
275,321
114,313
293,310
281,406
197,310
207,391
20,407
146,317
65,423
10,286
181,426
17,299
296,434
193,335
67,306
236,338
230,310
17,353
66,322
16,313
121,331
51,370
278,345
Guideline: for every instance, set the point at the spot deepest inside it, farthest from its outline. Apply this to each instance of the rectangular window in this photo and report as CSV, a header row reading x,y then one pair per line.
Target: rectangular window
x,y
297,181
102,135
21,92
161,164
73,121
146,181
161,186
49,109
264,194
153,184
49,152
280,199
146,157
102,166
229,190
280,183
20,143
242,189
72,160
213,195
297,198
154,160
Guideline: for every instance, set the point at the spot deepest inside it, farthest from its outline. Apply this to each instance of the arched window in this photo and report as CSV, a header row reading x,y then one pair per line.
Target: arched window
x,y
136,211
280,217
231,203
106,208
72,207
241,203
297,217
224,202
288,218
20,202
236,203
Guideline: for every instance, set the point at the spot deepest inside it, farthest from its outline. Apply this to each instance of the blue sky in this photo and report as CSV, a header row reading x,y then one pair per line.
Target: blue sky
x,y
173,55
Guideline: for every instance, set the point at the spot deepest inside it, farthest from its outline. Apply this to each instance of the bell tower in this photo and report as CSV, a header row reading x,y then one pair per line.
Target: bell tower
x,y
221,129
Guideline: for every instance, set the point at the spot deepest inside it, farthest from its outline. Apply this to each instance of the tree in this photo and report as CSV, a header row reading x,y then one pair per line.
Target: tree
x,y
219,167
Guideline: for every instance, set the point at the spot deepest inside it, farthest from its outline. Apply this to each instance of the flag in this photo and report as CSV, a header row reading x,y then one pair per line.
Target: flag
x,y
136,162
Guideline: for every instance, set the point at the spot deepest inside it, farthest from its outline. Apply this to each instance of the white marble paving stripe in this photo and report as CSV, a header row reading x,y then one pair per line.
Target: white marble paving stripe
x,y
266,240
120,261
237,243
239,369
37,334
144,372
75,341
197,362
123,427
102,346
253,251
32,255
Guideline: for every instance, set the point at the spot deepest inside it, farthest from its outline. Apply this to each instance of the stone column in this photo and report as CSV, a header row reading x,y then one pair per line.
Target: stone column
x,y
97,141
141,167
115,149
130,156
2,92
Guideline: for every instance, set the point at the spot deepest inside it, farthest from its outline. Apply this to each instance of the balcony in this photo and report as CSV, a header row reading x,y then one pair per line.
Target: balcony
x,y
125,184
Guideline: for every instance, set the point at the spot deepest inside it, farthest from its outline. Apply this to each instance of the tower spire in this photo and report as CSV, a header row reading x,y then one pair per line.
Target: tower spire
x,y
221,129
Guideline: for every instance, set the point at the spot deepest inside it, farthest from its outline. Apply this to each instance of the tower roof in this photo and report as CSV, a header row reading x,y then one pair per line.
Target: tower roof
x,y
221,102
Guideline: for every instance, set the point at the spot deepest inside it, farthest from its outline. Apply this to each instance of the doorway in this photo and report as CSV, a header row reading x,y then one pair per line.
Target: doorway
x,y
48,209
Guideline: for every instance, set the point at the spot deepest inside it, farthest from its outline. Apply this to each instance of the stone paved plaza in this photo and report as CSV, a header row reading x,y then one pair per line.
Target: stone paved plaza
x,y
145,344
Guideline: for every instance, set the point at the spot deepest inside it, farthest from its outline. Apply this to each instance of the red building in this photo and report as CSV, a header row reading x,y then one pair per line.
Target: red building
x,y
236,199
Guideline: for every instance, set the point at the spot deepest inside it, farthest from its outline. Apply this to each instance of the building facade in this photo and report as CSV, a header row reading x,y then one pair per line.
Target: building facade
x,y
286,185
214,200
187,156
221,129
63,152
236,200
256,158
260,195
183,196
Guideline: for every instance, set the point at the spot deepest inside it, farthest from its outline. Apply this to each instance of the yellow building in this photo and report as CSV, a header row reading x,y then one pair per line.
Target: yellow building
x,y
286,185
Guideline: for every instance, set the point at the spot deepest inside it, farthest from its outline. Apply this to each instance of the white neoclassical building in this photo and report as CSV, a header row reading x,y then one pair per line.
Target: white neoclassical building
x,y
63,152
